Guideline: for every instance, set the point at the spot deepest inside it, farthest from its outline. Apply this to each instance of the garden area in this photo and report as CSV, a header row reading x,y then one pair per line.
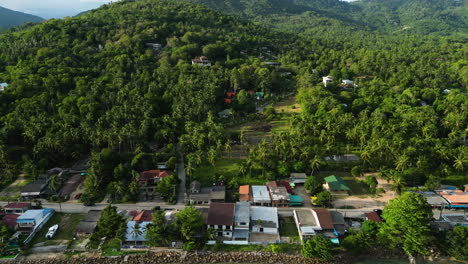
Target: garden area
x,y
67,225
288,227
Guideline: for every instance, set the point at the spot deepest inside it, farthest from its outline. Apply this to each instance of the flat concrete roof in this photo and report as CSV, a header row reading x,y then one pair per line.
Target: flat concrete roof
x,y
306,218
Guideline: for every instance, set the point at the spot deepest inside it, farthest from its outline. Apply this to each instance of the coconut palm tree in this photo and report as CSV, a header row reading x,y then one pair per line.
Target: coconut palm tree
x,y
136,231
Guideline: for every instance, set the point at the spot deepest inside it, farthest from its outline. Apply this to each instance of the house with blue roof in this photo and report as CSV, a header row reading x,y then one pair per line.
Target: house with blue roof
x,y
33,220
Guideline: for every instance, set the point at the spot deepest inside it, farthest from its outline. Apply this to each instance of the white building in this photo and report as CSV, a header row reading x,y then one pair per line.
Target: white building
x,y
326,80
201,61
264,219
221,219
261,195
136,236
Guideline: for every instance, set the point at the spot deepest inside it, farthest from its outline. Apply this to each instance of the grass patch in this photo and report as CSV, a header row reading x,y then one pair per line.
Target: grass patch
x,y
206,173
67,225
288,227
122,252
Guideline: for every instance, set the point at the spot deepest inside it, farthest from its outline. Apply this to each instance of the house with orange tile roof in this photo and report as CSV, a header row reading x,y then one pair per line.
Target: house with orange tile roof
x,y
244,193
456,198
144,216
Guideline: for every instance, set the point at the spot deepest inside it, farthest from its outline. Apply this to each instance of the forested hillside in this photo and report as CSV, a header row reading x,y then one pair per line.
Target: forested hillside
x,y
91,85
10,18
333,17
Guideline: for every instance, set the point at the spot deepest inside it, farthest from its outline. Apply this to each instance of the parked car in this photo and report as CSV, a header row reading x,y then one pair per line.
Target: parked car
x,y
78,195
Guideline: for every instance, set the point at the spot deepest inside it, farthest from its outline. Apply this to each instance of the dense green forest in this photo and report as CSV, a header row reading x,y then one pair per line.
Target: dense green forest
x,y
338,19
91,86
10,18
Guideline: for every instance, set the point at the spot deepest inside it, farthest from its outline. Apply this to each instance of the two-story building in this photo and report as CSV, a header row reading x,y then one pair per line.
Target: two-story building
x,y
17,208
279,194
221,219
147,180
33,220
242,222
260,196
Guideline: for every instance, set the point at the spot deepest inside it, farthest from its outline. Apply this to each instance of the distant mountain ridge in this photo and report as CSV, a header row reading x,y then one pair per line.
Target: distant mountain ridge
x,y
10,18
324,16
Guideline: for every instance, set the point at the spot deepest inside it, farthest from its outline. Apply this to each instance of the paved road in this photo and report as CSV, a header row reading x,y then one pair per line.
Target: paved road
x,y
181,175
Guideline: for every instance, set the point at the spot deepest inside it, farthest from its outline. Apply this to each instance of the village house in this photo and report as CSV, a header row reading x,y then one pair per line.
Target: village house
x,y
343,158
456,198
273,63
154,46
33,220
298,178
373,216
264,219
336,185
306,224
260,196
338,221
3,86
136,233
87,226
244,193
455,219
201,61
16,208
241,223
144,216
205,195
226,113
435,200
37,189
10,220
316,221
221,219
148,180
279,194
326,80
347,82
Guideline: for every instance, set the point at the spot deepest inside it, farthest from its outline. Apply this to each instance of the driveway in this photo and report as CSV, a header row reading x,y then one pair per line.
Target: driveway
x,y
301,191
182,176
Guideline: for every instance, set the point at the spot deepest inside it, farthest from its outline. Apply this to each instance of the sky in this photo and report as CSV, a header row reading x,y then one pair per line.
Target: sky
x,y
52,8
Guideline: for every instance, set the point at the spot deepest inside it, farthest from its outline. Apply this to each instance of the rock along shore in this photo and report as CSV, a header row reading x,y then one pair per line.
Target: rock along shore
x,y
166,257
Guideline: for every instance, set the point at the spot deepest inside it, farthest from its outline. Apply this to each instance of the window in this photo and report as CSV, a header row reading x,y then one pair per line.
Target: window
x,y
228,227
243,224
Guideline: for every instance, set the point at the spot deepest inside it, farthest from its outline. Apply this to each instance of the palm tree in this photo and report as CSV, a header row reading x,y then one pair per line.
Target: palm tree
x,y
398,184
227,148
460,161
315,164
402,163
136,231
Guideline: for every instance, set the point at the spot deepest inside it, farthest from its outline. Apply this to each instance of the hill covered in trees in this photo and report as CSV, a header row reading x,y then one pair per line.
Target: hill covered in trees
x,y
338,17
10,18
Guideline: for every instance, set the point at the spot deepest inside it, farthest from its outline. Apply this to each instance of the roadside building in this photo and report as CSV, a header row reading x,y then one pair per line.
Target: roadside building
x,y
136,233
147,180
221,219
306,224
336,185
36,189
260,195
339,223
264,219
144,216
279,195
456,198
455,219
10,220
244,193
87,226
33,220
298,178
435,200
373,216
343,158
17,208
205,195
241,222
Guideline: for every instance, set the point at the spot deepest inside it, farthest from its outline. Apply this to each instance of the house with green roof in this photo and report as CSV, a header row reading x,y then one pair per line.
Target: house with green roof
x,y
336,185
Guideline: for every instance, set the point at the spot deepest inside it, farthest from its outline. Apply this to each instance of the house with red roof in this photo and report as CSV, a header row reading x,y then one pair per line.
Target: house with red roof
x,y
144,216
17,208
10,220
201,61
148,180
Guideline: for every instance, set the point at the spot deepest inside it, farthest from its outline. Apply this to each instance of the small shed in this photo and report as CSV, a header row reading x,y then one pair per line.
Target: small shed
x,y
336,185
298,178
